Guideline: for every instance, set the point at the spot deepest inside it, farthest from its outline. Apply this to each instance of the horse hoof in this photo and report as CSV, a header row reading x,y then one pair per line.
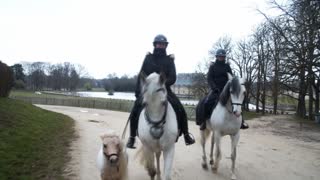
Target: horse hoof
x,y
214,169
205,166
233,177
211,162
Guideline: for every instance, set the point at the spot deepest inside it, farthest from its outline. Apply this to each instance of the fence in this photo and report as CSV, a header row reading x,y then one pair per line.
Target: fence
x,y
109,104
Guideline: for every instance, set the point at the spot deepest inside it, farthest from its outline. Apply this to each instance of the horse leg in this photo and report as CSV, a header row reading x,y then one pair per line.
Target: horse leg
x,y
149,164
203,144
234,143
168,155
211,149
158,154
217,138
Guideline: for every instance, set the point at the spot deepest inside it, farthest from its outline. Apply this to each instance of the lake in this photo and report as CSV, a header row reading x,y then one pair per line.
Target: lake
x,y
122,95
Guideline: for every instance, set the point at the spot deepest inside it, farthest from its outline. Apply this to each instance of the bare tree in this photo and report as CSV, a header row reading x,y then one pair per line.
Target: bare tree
x,y
243,58
300,31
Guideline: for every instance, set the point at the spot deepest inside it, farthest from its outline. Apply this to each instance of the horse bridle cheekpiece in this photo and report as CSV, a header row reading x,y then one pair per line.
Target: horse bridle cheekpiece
x,y
156,129
232,103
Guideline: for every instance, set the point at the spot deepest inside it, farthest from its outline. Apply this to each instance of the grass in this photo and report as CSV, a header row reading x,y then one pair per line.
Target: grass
x,y
34,142
248,115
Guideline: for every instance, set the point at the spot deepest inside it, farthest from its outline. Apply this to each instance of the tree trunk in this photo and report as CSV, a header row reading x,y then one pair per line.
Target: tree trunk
x,y
316,105
301,109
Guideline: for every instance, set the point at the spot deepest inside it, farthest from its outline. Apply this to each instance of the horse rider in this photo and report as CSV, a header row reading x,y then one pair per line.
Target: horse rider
x,y
158,62
217,79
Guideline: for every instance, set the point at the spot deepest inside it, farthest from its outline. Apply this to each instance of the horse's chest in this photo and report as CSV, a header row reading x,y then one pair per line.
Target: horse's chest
x,y
168,135
230,127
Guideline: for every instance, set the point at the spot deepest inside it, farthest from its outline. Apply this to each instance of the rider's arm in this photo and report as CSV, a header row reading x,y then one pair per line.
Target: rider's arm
x,y
211,77
138,84
229,69
171,76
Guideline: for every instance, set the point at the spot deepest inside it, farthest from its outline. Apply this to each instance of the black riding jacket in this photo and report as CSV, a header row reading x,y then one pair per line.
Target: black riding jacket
x,y
158,64
217,75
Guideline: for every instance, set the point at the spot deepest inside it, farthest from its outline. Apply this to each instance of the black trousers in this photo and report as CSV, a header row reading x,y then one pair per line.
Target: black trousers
x,y
206,106
177,107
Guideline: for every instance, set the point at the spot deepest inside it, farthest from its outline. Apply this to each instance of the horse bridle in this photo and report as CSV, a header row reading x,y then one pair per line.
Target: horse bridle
x,y
232,103
109,155
156,129
238,104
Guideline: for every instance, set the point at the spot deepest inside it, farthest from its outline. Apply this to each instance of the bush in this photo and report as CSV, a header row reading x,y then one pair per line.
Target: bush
x,y
6,80
88,86
19,84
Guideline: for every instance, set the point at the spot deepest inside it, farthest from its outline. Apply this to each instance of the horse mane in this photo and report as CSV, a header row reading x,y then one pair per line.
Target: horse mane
x,y
234,84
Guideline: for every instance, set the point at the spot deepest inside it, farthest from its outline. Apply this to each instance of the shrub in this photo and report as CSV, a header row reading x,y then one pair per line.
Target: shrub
x,y
6,80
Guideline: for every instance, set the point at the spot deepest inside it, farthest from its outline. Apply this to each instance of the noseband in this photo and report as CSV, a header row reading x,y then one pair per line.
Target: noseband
x,y
109,155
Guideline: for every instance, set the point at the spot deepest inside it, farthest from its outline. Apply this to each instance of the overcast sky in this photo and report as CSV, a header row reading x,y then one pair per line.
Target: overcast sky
x,y
113,36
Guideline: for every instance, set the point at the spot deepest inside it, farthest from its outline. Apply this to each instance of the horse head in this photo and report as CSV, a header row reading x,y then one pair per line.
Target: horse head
x,y
112,147
154,90
233,93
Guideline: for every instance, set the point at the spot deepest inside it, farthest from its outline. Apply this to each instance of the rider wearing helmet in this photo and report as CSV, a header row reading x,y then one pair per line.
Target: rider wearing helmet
x,y
158,62
217,79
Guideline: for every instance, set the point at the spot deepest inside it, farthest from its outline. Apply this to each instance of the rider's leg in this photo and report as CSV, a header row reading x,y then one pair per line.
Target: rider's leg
x,y
209,104
181,117
134,119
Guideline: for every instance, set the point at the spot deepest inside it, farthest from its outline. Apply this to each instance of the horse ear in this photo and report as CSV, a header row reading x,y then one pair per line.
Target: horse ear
x,y
162,78
229,76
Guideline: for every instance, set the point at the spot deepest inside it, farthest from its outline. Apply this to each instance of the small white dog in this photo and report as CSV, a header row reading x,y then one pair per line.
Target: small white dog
x,y
112,158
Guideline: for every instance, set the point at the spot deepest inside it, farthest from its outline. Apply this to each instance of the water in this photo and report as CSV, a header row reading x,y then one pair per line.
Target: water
x,y
123,95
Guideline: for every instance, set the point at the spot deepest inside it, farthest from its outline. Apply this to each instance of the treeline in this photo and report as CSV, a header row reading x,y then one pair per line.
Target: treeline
x,y
122,84
280,58
65,77
45,76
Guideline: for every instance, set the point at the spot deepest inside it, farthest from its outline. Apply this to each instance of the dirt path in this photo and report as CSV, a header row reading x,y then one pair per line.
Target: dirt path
x,y
268,150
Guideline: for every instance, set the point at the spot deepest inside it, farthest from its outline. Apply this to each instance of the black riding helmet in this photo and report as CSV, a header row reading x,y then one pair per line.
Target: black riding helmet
x,y
221,52
160,39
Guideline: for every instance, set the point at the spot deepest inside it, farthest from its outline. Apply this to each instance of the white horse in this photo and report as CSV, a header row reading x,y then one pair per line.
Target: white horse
x,y
225,120
157,127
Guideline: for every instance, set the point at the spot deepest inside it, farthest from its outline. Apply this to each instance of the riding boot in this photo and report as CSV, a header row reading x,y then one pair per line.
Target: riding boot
x,y
130,143
244,125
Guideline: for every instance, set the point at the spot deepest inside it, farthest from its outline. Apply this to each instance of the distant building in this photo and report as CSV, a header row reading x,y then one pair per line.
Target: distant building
x,y
182,87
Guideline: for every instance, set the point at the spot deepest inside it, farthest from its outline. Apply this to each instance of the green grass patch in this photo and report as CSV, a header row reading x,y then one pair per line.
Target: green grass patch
x,y
248,115
283,100
34,142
